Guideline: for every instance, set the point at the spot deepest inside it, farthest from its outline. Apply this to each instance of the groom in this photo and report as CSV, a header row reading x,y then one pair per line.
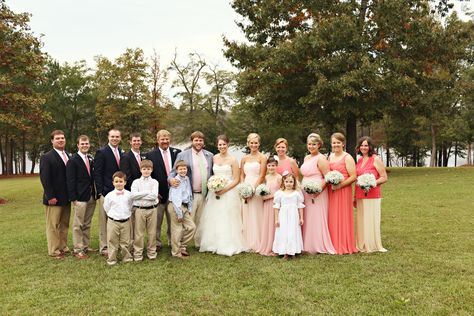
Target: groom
x,y
199,162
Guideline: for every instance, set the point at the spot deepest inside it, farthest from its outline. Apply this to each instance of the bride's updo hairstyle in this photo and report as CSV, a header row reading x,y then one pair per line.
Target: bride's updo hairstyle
x,y
252,136
222,137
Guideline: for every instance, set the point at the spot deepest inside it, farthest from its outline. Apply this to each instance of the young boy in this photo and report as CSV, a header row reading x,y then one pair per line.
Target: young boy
x,y
118,206
182,225
145,203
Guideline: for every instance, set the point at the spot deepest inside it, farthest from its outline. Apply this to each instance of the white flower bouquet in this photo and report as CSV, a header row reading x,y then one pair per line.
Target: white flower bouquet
x,y
262,190
216,183
312,187
366,182
333,177
245,190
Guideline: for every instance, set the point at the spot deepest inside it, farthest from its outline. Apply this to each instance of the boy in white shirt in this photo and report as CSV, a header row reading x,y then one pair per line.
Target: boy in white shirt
x,y
179,209
118,207
145,203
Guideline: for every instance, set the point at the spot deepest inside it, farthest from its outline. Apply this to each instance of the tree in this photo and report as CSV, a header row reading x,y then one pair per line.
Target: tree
x,y
21,69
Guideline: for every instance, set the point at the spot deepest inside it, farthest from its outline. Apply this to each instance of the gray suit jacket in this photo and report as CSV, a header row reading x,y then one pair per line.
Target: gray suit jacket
x,y
187,156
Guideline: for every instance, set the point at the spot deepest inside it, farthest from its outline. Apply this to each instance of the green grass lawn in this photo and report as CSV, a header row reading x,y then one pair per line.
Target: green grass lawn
x,y
427,226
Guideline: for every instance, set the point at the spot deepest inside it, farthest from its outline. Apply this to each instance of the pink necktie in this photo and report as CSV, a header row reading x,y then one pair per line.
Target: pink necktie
x,y
139,159
65,158
88,167
117,157
167,162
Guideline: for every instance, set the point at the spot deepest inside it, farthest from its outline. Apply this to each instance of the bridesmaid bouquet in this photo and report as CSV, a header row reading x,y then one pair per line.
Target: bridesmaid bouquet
x,y
216,183
333,177
262,190
366,182
312,187
245,190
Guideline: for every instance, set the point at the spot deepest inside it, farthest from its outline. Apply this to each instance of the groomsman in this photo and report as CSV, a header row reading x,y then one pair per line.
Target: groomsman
x,y
199,162
163,159
55,198
130,165
107,162
81,189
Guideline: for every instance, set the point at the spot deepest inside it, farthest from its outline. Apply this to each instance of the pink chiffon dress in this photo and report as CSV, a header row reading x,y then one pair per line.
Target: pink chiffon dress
x,y
340,214
268,222
316,237
252,211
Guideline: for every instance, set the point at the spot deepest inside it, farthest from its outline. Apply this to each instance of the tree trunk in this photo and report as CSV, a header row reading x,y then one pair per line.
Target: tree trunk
x,y
387,155
433,146
8,155
2,156
469,152
351,134
23,153
455,154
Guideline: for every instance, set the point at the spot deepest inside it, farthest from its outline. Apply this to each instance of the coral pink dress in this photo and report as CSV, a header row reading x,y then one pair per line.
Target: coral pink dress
x,y
283,166
316,238
252,211
340,216
268,222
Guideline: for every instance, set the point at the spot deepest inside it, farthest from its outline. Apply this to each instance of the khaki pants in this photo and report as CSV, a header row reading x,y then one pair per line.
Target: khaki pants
x,y
118,237
81,226
181,233
198,205
57,225
132,229
102,226
145,221
161,211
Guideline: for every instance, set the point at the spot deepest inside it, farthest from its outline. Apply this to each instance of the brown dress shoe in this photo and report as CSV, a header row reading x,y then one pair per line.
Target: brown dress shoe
x,y
81,255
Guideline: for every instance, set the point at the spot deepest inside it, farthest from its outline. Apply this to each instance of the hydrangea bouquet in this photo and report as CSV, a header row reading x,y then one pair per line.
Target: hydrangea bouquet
x,y
333,177
366,182
245,190
312,187
262,190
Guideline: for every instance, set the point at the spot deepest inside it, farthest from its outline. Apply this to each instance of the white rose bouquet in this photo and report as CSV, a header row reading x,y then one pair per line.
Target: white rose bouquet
x,y
262,190
366,182
312,187
216,183
245,190
333,177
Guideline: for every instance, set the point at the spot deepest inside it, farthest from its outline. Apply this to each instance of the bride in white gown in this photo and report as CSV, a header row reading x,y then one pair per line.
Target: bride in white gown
x,y
220,226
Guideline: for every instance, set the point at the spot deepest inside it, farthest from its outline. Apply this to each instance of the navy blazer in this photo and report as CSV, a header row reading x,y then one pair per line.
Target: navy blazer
x,y
53,178
80,184
159,170
129,165
105,166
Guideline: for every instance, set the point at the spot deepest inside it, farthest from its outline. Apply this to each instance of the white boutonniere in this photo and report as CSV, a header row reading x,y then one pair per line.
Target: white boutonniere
x,y
122,151
142,157
91,159
174,150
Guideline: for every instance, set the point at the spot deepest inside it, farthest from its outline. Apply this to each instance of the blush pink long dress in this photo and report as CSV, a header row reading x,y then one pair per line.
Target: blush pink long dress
x,y
340,216
316,238
252,211
268,222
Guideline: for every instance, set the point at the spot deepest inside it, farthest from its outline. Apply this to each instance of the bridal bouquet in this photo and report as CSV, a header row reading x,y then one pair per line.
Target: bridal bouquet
x,y
366,182
245,190
333,177
216,183
262,190
312,187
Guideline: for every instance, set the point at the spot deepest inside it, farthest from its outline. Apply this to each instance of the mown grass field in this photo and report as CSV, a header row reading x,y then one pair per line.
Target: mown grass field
x,y
427,226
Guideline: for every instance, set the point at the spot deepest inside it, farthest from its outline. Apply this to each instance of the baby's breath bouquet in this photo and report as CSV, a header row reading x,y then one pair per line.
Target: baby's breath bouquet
x,y
216,183
312,187
366,182
245,190
333,177
262,190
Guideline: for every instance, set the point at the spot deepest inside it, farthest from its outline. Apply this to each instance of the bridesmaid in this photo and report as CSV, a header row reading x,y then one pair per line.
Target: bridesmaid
x,y
368,207
340,217
316,238
273,181
252,170
285,163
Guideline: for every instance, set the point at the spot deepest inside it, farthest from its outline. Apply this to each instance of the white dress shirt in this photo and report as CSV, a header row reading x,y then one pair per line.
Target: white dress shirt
x,y
181,194
145,191
118,204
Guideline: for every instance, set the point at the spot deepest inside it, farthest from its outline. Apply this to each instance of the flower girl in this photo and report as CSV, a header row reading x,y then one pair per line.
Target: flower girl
x,y
288,207
267,191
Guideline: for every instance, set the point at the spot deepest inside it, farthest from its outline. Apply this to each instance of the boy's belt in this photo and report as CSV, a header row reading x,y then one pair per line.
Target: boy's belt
x,y
118,220
146,207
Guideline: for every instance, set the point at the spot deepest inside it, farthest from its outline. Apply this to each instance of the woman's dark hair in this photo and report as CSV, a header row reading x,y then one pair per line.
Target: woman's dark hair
x,y
272,159
223,138
369,142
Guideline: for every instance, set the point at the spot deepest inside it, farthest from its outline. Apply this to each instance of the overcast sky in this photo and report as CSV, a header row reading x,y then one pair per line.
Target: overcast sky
x,y
81,29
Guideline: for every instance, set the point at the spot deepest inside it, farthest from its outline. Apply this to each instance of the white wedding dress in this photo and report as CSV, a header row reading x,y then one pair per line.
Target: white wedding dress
x,y
220,226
